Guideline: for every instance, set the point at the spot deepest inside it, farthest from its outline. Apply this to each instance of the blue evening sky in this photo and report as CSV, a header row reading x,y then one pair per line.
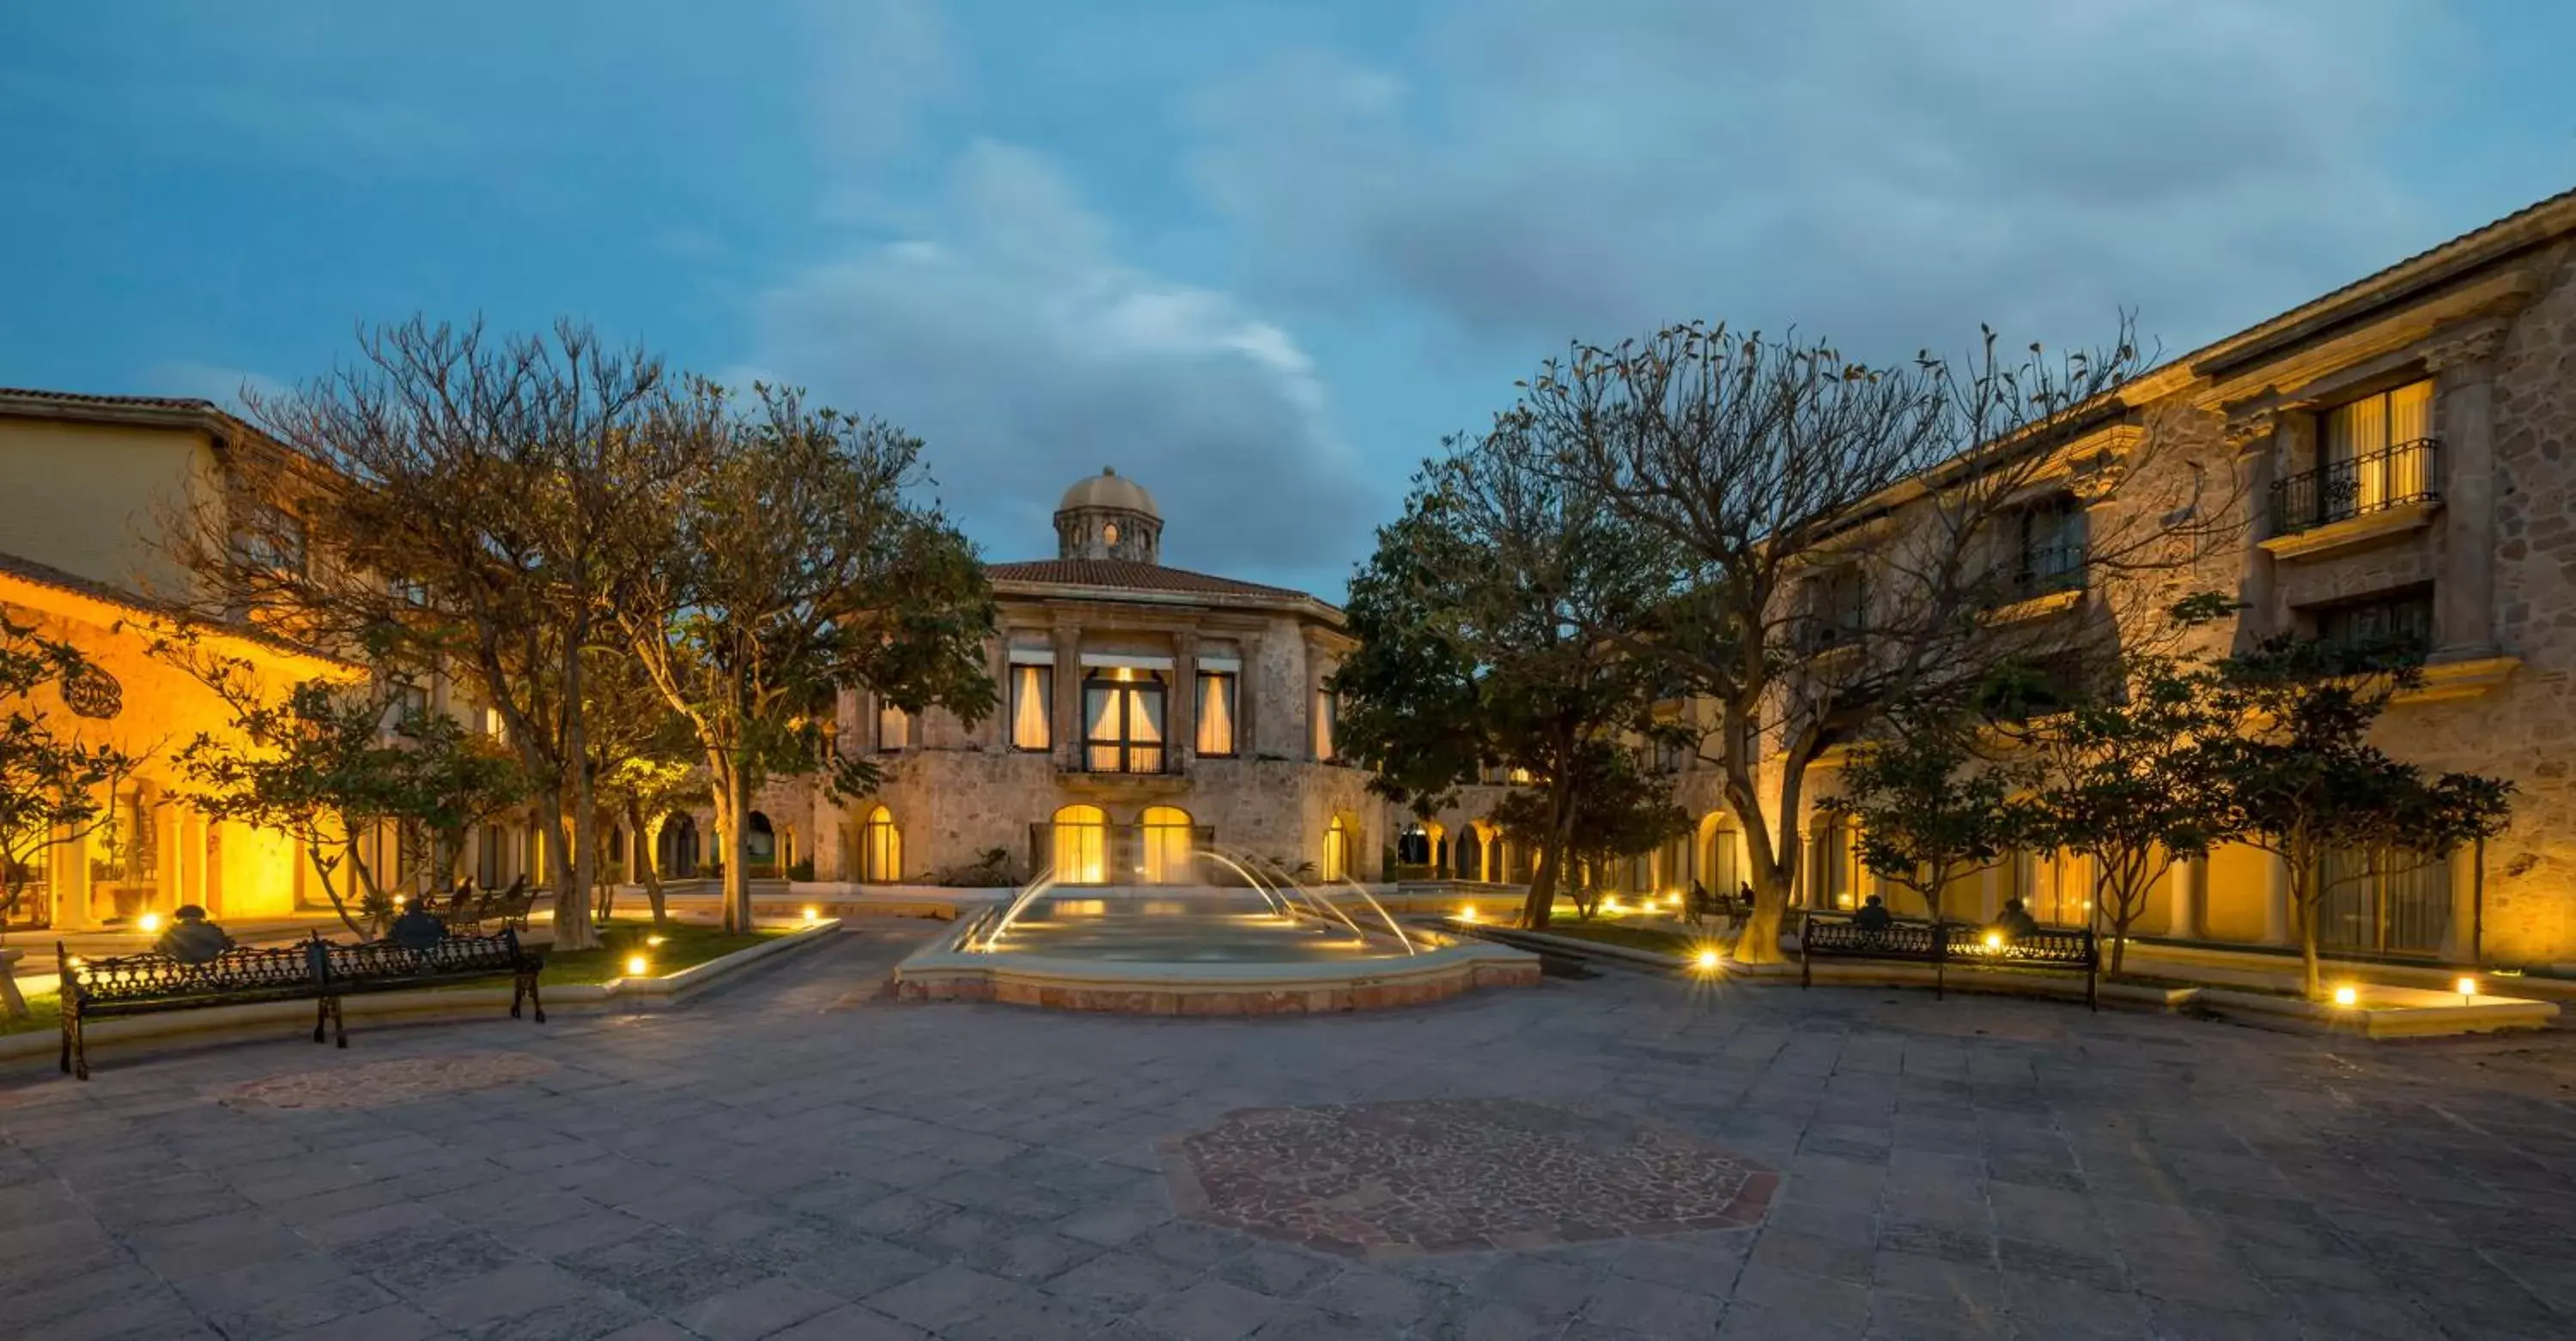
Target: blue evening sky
x,y
1259,256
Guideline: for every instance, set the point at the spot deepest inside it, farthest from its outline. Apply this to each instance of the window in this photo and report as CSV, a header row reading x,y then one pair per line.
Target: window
x,y
1081,845
1721,865
1032,722
274,539
1838,606
894,728
408,703
2054,887
880,848
2401,623
1109,533
2371,449
1216,714
1167,846
1327,722
495,727
2388,901
2022,691
2048,550
1833,862
1122,716
759,845
1337,851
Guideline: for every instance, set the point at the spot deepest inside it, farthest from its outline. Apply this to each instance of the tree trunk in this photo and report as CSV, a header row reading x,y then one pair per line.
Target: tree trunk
x,y
331,888
2303,911
573,928
733,835
647,867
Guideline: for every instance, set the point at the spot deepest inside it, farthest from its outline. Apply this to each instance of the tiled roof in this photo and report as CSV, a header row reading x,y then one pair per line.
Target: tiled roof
x,y
87,398
1133,576
46,575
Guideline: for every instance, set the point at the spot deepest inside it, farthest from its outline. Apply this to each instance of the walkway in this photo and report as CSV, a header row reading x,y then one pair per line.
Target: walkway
x,y
793,1158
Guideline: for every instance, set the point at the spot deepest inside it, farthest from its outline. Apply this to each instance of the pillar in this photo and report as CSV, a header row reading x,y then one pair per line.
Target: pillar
x,y
2464,412
2259,443
1250,689
1181,721
2190,882
1068,695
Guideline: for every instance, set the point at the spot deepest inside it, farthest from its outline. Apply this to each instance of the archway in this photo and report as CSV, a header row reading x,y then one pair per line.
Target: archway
x,y
675,850
1081,846
880,848
1339,836
759,846
1721,855
1167,858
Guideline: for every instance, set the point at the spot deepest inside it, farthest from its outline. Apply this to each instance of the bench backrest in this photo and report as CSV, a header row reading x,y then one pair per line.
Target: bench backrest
x,y
241,973
454,957
2047,945
1838,933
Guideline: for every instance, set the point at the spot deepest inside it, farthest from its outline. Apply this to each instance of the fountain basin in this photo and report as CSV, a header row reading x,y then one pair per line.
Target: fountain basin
x,y
1180,955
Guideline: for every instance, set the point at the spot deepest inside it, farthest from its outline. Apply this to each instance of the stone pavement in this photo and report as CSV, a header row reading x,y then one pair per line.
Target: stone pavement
x,y
792,1157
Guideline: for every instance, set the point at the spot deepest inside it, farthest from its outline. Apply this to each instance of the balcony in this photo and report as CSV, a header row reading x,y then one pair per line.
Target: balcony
x,y
2382,493
2042,580
1128,769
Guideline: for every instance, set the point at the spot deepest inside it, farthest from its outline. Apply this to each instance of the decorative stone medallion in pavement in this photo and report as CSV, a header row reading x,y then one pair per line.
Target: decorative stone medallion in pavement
x,y
382,1084
1383,1180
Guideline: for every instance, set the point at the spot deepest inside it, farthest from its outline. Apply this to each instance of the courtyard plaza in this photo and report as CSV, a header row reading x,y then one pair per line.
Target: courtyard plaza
x,y
1628,1156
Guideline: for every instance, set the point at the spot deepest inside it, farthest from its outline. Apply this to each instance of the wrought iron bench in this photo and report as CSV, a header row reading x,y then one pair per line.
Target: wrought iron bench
x,y
1837,935
317,970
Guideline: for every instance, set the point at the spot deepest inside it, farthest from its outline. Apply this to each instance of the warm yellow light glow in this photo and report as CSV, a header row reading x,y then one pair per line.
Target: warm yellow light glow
x,y
150,922
1707,961
812,915
652,940
1611,906
401,899
1994,940
2468,986
2345,996
636,966
1467,912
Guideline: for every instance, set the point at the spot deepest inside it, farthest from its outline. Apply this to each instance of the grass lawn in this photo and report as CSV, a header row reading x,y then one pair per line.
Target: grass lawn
x,y
684,945
44,1011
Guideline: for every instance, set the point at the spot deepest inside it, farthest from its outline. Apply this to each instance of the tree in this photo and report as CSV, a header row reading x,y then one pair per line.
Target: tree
x,y
452,504
1928,808
1488,622
2122,777
330,763
51,781
646,762
1620,810
799,567
1843,533
2302,780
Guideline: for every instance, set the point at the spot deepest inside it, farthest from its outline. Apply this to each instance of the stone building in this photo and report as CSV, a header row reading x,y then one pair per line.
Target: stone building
x,y
2403,455
1148,715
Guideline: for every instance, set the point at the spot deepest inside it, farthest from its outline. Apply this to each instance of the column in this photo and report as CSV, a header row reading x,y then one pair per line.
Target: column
x,y
2276,900
1068,695
72,893
1181,719
2464,409
2190,878
1249,691
2259,444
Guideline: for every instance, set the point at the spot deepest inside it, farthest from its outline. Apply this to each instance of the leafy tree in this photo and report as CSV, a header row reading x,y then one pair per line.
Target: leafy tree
x,y
1620,810
2123,777
1842,531
798,566
1488,621
645,762
51,781
329,763
2302,780
1929,810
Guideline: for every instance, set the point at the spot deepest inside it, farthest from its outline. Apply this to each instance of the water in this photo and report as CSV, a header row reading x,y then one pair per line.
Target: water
x,y
1270,918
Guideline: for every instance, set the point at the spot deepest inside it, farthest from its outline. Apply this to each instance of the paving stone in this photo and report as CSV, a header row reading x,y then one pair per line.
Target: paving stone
x,y
755,1310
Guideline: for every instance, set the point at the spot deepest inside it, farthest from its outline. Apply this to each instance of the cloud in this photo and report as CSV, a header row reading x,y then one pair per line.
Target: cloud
x,y
1888,173
1012,337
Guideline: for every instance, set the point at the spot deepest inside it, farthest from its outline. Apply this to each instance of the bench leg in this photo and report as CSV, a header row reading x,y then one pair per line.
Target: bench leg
x,y
70,1013
538,1003
339,1022
321,1018
79,1042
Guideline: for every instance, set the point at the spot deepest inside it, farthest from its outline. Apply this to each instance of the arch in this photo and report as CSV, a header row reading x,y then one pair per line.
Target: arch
x,y
1340,840
675,849
1168,856
1722,865
1834,876
880,848
759,844
1080,853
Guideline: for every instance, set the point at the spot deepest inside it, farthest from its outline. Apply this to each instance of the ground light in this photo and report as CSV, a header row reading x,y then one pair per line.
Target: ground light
x,y
1467,912
1707,961
636,966
2468,989
1994,940
150,922
812,915
2346,996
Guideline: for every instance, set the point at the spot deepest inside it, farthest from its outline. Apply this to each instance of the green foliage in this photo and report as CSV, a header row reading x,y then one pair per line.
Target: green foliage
x,y
52,783
2301,777
1928,809
1620,810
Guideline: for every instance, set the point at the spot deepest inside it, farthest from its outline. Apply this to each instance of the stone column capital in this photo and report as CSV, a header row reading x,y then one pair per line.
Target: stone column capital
x,y
2465,351
2251,431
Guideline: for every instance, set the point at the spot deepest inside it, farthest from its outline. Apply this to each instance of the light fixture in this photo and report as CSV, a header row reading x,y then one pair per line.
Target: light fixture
x,y
1706,961
652,940
1467,912
1994,941
150,922
2468,988
2346,996
636,966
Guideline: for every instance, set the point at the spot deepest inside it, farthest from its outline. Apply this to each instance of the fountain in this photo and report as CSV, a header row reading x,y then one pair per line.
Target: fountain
x,y
1250,939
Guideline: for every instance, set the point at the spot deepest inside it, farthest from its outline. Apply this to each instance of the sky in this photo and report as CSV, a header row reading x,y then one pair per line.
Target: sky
x,y
1262,257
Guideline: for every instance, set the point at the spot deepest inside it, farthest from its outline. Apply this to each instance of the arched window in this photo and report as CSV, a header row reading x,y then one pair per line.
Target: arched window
x,y
880,848
1833,862
1167,846
1081,855
1721,858
1337,850
759,845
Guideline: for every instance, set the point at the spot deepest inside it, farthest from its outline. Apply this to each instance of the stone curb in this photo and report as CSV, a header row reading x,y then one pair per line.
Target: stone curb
x,y
428,1006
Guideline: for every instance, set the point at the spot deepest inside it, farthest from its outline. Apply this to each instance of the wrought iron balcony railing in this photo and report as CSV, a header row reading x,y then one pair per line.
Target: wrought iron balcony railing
x,y
2393,476
2042,571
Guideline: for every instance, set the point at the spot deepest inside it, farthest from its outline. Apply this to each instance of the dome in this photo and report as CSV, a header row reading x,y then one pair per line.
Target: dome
x,y
1109,489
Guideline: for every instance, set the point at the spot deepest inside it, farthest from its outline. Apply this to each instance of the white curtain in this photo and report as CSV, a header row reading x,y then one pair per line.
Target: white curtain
x,y
1216,714
894,728
1030,729
1100,703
